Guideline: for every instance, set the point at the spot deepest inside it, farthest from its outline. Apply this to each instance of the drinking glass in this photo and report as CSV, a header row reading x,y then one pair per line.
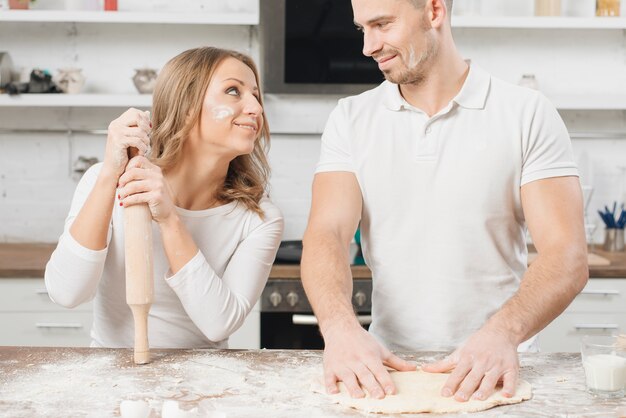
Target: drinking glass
x,y
604,361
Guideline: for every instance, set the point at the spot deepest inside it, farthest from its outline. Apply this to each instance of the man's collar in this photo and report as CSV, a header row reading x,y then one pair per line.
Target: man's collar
x,y
392,99
473,94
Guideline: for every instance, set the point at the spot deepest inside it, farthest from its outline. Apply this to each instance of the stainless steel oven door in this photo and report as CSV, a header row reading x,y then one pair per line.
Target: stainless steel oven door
x,y
287,320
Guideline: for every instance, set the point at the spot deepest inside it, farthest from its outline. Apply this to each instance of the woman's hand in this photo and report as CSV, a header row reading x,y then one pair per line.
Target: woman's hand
x,y
131,129
143,182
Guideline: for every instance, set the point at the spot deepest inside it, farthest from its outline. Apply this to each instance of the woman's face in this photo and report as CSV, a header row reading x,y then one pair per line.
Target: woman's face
x,y
232,117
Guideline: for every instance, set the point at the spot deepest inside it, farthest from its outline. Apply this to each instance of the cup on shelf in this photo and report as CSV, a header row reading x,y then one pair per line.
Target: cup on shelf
x,y
607,8
110,5
604,362
547,7
19,4
613,239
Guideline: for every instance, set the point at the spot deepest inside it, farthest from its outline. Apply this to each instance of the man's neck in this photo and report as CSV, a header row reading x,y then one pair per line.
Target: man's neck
x,y
442,83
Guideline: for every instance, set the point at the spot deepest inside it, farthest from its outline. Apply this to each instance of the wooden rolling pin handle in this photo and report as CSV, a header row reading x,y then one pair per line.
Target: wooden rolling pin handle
x,y
142,349
139,272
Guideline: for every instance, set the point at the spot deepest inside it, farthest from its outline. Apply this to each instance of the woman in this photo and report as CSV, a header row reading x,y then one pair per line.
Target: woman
x,y
215,232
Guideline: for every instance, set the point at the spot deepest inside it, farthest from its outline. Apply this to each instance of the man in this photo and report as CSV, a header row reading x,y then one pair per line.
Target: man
x,y
444,166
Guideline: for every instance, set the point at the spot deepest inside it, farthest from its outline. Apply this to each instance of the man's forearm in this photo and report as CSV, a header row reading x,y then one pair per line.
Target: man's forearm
x,y
327,280
548,287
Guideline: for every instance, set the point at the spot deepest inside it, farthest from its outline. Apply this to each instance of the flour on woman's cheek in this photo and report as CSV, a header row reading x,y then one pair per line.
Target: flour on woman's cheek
x,y
221,112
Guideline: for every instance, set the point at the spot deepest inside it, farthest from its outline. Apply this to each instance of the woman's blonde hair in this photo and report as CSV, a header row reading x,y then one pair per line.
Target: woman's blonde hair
x,y
176,110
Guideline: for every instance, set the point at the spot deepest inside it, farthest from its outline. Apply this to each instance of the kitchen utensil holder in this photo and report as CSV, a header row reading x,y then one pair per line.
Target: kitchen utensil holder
x,y
613,239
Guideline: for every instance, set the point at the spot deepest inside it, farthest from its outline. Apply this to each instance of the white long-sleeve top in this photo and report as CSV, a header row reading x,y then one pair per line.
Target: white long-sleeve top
x,y
200,305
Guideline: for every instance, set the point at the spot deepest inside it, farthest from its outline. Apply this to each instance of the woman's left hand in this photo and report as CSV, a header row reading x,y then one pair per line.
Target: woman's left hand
x,y
143,182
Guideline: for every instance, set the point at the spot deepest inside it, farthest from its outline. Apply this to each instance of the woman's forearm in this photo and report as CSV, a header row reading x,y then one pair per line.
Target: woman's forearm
x,y
91,225
178,244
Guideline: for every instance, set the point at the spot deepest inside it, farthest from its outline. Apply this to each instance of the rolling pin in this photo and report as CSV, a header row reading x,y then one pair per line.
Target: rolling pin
x,y
139,273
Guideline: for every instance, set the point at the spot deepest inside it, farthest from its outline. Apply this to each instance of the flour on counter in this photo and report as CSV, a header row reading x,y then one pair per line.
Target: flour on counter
x,y
66,382
98,384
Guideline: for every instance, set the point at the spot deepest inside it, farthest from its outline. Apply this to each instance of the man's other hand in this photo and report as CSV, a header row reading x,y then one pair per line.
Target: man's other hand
x,y
486,358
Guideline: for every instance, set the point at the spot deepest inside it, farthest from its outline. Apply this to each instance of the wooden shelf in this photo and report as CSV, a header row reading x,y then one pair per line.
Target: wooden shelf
x,y
183,18
76,100
535,22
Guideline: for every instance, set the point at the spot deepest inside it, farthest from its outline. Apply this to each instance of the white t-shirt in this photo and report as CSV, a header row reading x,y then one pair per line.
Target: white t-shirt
x,y
442,226
198,307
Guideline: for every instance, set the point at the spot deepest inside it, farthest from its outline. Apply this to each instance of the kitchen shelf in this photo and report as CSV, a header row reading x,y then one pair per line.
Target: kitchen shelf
x,y
183,18
237,18
563,102
538,22
76,100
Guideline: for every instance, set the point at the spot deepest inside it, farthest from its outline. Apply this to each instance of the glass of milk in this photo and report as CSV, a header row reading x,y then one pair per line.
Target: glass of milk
x,y
604,361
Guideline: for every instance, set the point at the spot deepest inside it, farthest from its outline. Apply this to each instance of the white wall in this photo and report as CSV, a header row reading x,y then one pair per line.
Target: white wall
x,y
568,62
36,181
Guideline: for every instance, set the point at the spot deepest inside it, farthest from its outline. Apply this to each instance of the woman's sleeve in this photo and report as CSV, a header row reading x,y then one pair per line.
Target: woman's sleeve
x,y
217,305
73,272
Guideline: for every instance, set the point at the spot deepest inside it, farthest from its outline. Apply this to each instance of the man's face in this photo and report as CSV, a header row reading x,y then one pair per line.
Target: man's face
x,y
398,36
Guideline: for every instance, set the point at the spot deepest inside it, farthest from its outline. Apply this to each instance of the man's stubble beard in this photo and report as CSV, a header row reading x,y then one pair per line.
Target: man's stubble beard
x,y
416,73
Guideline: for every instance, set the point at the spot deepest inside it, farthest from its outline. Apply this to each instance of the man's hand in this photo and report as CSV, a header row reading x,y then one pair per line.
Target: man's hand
x,y
487,357
353,356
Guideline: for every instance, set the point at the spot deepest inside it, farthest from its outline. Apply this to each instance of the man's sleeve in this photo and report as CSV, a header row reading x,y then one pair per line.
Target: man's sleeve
x,y
547,148
335,154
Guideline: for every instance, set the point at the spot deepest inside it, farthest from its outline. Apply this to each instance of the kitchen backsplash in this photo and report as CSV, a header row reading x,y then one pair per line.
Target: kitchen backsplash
x,y
36,182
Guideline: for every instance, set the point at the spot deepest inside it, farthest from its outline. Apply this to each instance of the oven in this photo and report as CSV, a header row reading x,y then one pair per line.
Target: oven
x,y
287,320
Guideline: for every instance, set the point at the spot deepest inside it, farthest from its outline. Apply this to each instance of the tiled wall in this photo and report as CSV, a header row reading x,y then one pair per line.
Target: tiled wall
x,y
36,182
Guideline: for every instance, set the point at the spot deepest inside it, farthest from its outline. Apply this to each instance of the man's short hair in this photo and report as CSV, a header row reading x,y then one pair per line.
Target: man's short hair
x,y
420,3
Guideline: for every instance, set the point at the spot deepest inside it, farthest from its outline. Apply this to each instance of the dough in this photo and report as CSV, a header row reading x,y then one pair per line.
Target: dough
x,y
419,391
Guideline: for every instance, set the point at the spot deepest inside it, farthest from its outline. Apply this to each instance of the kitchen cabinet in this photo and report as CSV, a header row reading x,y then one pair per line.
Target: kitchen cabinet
x,y
28,317
600,309
249,335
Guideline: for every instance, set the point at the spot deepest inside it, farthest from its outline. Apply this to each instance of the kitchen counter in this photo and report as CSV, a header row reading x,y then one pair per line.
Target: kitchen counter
x,y
29,260
86,382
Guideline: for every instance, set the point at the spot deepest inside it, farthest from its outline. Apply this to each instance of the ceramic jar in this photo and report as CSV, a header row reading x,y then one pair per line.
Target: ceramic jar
x,y
145,80
70,80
